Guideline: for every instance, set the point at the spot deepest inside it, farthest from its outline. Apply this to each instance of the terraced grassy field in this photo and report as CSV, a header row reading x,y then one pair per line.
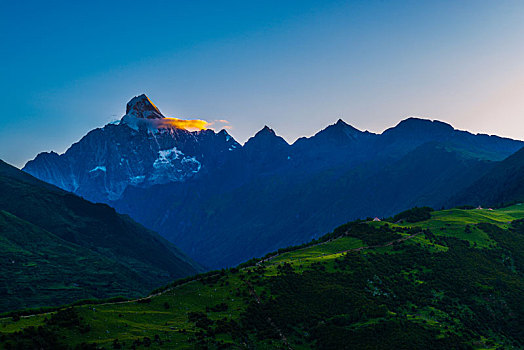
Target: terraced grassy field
x,y
453,281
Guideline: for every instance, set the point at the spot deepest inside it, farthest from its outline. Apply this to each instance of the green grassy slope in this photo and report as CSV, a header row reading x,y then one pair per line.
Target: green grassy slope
x,y
40,269
57,248
454,281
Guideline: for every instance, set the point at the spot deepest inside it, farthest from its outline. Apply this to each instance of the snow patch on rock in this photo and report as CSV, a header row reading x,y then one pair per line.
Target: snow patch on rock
x,y
135,180
173,166
98,168
167,156
192,162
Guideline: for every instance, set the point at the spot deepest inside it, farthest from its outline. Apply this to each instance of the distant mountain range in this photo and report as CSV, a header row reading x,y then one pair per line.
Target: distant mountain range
x,y
223,203
56,248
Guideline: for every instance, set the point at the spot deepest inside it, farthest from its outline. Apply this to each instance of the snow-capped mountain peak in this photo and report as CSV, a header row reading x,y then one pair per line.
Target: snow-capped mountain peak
x,y
141,113
144,149
142,107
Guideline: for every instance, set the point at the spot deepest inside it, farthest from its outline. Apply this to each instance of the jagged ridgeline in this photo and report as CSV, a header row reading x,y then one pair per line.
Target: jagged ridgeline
x,y
58,248
450,279
223,203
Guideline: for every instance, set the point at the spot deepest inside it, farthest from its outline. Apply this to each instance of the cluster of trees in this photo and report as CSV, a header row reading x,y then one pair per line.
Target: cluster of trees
x,y
208,329
470,292
48,336
413,215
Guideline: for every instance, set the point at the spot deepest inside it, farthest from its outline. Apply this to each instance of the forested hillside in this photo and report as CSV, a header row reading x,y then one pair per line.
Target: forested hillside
x,y
449,279
57,248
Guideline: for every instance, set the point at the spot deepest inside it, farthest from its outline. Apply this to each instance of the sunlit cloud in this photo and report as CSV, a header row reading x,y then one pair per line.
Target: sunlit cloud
x,y
171,122
186,124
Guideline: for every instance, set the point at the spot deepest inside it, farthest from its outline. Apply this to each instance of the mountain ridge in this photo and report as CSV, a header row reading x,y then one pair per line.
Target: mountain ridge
x,y
189,186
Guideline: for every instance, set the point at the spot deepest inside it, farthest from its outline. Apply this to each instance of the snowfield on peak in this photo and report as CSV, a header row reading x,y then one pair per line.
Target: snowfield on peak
x,y
172,166
166,156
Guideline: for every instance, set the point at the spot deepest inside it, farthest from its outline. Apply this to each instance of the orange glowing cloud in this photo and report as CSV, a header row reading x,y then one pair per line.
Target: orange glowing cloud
x,y
186,124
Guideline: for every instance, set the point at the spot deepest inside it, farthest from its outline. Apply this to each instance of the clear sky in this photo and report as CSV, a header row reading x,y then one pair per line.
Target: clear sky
x,y
67,67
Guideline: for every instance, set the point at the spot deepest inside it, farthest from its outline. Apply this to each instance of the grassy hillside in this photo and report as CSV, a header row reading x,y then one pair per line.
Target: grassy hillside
x,y
57,248
453,281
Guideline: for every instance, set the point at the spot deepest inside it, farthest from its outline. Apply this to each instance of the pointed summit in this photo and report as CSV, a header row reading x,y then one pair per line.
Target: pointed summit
x,y
340,122
266,138
142,107
340,132
266,130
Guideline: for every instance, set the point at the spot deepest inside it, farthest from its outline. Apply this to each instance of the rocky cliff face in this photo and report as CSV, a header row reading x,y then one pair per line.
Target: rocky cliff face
x,y
144,149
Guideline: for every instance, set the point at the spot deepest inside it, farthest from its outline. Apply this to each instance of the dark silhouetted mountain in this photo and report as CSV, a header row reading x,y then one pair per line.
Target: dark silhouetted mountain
x,y
339,134
292,207
57,247
502,185
412,132
336,144
263,152
265,142
243,201
420,129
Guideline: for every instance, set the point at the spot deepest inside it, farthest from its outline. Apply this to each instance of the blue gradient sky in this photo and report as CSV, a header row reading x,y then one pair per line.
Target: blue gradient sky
x,y
297,66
